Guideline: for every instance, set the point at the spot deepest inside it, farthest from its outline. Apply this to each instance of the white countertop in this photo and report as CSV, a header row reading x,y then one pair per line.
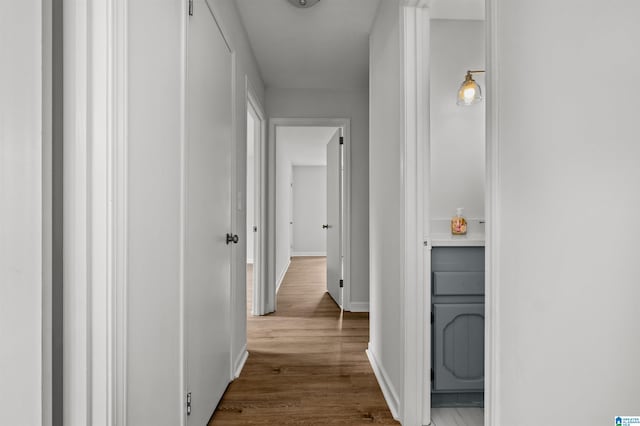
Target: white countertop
x,y
448,240
441,234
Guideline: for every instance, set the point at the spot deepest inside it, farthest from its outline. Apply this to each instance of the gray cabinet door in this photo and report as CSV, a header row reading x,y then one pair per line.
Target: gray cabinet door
x,y
458,346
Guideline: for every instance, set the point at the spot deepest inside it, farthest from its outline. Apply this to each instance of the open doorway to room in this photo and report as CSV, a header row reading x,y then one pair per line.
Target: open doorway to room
x,y
309,202
456,180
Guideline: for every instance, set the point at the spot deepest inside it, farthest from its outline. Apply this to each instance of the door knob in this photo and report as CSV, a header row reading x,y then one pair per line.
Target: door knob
x,y
325,226
232,238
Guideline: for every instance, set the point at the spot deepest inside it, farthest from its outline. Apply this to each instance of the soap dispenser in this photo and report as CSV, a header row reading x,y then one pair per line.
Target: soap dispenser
x,y
458,223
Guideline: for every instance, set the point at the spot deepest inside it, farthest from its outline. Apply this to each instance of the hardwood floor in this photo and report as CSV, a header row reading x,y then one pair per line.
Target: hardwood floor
x,y
307,363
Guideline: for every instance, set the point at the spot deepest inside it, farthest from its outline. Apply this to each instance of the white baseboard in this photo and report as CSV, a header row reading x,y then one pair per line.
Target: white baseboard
x,y
390,394
359,306
240,361
249,261
309,253
282,274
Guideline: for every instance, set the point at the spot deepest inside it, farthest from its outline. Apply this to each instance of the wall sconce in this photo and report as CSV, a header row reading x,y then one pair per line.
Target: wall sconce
x,y
469,92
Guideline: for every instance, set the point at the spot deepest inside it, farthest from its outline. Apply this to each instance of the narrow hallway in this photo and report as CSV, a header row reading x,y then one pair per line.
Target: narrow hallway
x,y
307,363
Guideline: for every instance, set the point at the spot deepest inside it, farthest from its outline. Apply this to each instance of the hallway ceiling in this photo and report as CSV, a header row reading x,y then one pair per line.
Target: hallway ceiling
x,y
323,47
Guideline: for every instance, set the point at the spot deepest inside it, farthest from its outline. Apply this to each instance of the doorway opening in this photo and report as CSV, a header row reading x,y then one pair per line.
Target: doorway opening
x,y
309,200
255,204
458,318
308,197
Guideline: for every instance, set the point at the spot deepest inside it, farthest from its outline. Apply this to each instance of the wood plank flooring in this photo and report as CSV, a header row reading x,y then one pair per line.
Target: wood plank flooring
x,y
307,363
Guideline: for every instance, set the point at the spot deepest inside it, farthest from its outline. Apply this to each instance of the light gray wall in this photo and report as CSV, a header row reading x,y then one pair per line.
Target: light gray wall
x,y
155,31
288,103
154,191
309,210
457,142
567,208
385,339
25,228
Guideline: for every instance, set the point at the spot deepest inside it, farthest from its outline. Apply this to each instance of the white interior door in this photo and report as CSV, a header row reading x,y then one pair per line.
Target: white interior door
x,y
207,261
334,218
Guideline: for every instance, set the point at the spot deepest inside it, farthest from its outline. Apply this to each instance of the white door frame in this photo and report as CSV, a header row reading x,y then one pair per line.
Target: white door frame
x,y
260,201
274,123
416,310
492,214
95,99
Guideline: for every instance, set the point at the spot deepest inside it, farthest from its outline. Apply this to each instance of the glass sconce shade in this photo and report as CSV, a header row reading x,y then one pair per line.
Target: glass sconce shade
x,y
469,92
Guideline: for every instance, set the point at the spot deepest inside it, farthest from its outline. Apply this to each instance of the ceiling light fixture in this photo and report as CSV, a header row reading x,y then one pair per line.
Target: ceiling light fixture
x,y
469,92
303,3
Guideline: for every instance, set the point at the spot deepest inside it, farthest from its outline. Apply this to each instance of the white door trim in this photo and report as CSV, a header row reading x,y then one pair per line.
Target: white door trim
x,y
94,206
47,212
415,137
492,227
345,123
260,201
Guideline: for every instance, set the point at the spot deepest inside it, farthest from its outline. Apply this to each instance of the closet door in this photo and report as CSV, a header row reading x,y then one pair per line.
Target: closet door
x,y
207,254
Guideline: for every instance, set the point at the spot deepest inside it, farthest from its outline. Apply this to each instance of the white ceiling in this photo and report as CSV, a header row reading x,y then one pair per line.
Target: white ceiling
x,y
325,46
304,146
322,47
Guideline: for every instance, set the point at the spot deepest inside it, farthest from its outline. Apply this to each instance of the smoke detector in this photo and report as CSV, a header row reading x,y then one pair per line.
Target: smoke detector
x,y
303,3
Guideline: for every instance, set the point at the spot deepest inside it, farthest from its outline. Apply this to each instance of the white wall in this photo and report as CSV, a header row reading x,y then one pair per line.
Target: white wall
x,y
291,103
25,227
566,248
309,210
154,192
457,133
155,30
385,340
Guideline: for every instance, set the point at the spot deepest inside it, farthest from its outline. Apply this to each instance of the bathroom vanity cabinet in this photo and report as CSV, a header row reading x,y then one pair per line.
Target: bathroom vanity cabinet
x,y
457,296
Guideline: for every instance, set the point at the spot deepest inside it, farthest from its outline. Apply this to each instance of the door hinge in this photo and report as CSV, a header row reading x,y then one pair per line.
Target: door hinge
x,y
341,140
189,404
433,376
432,317
190,7
341,283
